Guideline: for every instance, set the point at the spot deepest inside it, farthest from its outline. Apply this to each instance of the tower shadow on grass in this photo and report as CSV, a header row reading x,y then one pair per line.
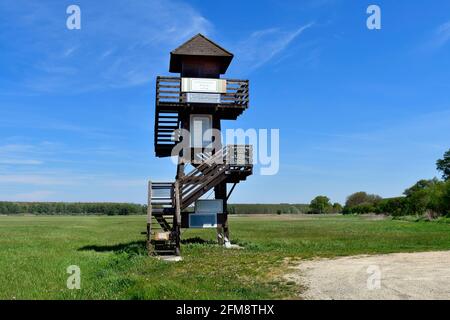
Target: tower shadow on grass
x,y
132,248
139,247
198,240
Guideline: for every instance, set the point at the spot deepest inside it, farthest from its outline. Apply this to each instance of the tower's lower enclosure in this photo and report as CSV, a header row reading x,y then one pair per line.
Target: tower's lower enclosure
x,y
170,203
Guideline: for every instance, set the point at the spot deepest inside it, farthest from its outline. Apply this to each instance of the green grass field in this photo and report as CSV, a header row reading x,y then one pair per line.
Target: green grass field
x,y
35,252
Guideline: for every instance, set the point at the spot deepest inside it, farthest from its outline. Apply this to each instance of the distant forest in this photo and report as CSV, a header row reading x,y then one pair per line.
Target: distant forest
x,y
113,209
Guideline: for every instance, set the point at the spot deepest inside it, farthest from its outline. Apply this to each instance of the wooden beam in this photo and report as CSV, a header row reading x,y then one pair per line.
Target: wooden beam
x,y
231,191
149,217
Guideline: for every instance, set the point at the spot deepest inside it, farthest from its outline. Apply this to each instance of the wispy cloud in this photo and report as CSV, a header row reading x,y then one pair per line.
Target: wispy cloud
x,y
26,153
41,195
442,34
439,38
122,46
263,45
20,162
67,178
400,140
19,155
35,179
49,123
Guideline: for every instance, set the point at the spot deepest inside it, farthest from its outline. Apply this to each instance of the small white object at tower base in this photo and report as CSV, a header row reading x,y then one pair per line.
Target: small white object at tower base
x,y
170,258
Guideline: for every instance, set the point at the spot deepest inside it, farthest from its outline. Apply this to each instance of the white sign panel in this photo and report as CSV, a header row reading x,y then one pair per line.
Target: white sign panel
x,y
202,220
192,97
203,85
209,206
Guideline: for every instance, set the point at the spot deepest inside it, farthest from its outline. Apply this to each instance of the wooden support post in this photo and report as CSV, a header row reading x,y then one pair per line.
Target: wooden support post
x,y
184,121
231,191
220,192
226,229
149,218
223,234
177,192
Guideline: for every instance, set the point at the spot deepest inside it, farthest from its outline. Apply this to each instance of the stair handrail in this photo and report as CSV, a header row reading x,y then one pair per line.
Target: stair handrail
x,y
214,159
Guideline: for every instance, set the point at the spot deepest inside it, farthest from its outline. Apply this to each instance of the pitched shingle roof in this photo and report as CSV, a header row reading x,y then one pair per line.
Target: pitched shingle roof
x,y
199,45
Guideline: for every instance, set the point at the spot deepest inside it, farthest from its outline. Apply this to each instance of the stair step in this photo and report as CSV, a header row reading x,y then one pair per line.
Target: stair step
x,y
166,127
165,134
167,211
167,121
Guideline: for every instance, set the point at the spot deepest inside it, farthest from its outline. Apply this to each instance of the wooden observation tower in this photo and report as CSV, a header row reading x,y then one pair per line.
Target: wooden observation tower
x,y
188,114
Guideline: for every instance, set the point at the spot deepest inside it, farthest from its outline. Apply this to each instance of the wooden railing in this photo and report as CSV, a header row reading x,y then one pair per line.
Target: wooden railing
x,y
168,92
239,154
215,169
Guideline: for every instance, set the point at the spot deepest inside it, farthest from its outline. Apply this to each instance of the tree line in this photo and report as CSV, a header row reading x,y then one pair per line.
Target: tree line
x,y
282,208
431,197
113,209
71,208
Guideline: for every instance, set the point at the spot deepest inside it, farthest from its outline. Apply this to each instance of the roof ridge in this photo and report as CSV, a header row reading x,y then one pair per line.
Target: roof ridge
x,y
225,51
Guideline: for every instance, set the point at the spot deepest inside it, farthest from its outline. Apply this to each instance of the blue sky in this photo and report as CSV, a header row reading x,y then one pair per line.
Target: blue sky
x,y
357,109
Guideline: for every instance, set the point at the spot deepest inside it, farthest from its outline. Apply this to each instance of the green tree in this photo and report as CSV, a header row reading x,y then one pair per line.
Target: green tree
x,y
393,206
446,198
320,204
421,185
422,196
361,198
337,208
443,165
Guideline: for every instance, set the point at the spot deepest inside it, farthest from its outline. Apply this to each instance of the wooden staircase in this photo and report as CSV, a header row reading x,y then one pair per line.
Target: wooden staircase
x,y
166,116
161,218
164,198
211,172
166,122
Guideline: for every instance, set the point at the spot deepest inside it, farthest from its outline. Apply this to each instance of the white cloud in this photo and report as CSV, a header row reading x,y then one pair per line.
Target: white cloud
x,y
442,34
30,196
20,162
7,148
119,45
263,45
439,38
35,179
66,178
126,183
25,153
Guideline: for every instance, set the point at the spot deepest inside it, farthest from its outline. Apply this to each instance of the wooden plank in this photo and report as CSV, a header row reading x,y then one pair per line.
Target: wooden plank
x,y
167,121
211,183
171,86
167,116
168,91
149,217
204,175
167,77
167,128
177,201
167,97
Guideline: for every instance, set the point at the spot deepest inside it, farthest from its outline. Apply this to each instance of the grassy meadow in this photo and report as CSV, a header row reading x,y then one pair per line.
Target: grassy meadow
x,y
36,250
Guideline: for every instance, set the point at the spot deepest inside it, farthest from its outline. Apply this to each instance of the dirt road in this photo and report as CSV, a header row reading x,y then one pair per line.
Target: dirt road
x,y
424,275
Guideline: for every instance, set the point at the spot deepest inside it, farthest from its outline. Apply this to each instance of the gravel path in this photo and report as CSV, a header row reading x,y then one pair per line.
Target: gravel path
x,y
424,275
